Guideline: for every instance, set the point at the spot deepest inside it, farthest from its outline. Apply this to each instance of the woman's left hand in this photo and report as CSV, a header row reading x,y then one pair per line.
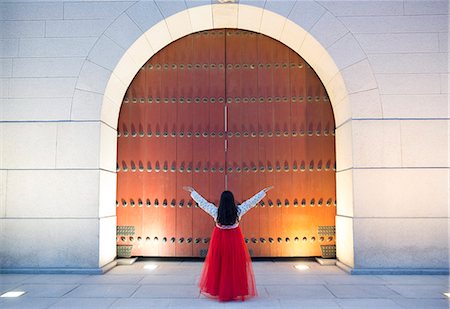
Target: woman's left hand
x,y
187,188
268,188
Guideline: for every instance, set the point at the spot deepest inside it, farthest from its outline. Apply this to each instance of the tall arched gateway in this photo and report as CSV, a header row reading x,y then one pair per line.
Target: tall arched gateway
x,y
226,109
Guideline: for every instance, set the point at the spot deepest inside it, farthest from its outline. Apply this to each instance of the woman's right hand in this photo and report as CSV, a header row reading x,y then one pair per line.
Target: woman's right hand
x,y
268,188
187,188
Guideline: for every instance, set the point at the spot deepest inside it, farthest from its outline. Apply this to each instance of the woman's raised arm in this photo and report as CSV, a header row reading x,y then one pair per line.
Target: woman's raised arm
x,y
251,202
208,207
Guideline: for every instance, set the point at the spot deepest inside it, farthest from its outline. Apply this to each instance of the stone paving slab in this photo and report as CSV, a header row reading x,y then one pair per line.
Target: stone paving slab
x,y
174,285
298,291
85,303
47,290
362,291
165,291
103,290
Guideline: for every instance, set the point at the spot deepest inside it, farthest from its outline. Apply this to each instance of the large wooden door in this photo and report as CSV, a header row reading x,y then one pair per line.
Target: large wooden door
x,y
226,109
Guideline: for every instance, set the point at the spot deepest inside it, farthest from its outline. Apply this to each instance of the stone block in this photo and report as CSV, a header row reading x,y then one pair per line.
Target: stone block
x,y
358,77
376,143
225,15
28,145
93,78
292,35
396,24
344,193
249,18
345,240
424,193
5,67
312,51
78,145
107,240
145,14
31,11
415,106
255,3
179,25
366,104
47,67
95,10
4,88
328,29
123,31
36,243
107,194
115,91
158,36
344,146
272,24
409,63
443,42
170,7
55,47
55,194
339,51
280,7
401,242
444,81
75,28
108,148
337,92
196,3
3,178
126,69
342,111
110,111
363,8
106,53
59,87
424,143
408,83
201,17
86,105
433,7
140,51
398,42
306,13
22,29
35,109
9,48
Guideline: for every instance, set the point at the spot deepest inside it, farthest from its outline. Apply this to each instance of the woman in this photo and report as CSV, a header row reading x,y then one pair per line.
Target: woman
x,y
227,273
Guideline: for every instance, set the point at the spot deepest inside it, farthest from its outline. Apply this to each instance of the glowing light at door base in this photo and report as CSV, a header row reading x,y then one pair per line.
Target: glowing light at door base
x,y
13,294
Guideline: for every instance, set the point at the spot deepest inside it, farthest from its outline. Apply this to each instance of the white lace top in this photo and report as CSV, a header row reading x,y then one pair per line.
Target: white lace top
x,y
211,209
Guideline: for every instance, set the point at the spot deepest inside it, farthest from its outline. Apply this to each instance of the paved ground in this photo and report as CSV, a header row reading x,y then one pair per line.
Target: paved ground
x,y
173,285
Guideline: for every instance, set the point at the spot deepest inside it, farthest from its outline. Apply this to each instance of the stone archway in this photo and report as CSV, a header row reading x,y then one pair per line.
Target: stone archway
x,y
339,66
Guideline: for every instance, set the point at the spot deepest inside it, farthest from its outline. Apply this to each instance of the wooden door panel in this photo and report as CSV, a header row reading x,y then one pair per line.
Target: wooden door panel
x,y
225,109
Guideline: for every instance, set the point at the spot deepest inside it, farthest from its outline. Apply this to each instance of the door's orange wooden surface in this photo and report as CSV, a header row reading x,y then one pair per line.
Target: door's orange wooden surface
x,y
225,109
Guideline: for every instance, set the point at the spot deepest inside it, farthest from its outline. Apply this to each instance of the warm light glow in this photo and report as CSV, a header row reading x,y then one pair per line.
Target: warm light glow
x,y
13,294
447,294
151,266
301,266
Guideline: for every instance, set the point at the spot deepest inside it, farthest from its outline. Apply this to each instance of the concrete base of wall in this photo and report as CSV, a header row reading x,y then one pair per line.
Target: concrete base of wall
x,y
58,270
392,271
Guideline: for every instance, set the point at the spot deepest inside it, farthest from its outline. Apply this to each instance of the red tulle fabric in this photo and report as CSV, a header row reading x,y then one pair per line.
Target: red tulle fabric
x,y
227,273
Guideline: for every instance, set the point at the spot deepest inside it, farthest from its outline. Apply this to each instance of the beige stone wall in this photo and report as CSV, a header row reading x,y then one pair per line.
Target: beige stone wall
x,y
66,65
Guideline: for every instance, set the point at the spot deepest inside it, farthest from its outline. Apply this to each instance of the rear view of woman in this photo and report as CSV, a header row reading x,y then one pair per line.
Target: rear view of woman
x,y
227,273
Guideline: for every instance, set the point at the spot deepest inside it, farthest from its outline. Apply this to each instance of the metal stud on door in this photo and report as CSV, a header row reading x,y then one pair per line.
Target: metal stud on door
x,y
225,109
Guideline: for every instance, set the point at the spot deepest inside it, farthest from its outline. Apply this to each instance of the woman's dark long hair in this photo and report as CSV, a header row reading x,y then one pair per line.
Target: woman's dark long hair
x,y
227,212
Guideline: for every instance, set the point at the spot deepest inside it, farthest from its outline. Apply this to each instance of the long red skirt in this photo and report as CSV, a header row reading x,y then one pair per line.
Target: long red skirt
x,y
228,273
